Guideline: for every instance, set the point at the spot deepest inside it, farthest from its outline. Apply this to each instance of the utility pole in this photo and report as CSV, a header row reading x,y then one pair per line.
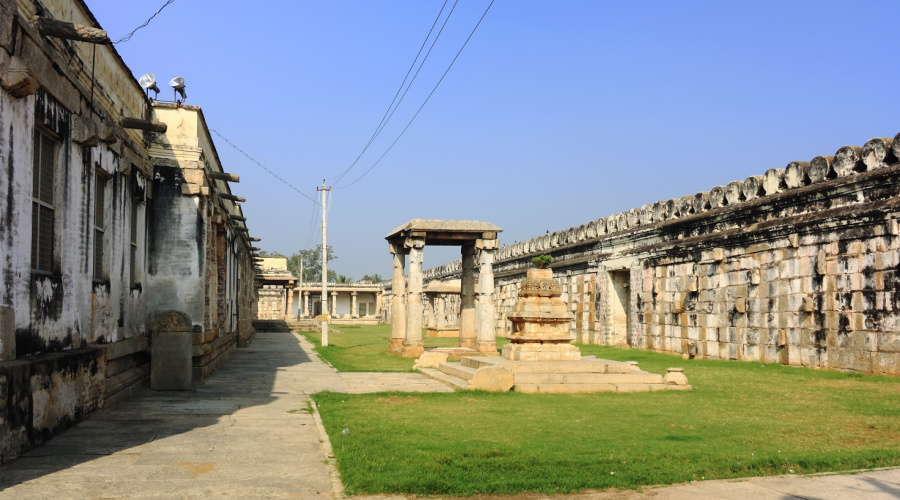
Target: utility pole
x,y
323,189
300,307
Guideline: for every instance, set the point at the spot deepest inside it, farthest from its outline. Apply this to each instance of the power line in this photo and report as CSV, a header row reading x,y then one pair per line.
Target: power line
x,y
385,118
128,36
288,184
423,104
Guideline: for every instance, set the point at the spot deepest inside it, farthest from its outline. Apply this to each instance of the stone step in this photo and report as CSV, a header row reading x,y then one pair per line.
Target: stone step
x,y
457,370
586,365
588,378
450,380
590,388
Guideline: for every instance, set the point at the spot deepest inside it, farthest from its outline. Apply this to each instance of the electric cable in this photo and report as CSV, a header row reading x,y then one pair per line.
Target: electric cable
x,y
288,184
385,117
128,36
423,104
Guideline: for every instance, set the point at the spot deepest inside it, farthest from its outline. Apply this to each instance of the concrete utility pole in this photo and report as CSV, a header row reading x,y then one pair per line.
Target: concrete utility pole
x,y
323,189
300,308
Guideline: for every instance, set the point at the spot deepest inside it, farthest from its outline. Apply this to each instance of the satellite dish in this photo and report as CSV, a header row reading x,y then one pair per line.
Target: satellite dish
x,y
177,83
148,82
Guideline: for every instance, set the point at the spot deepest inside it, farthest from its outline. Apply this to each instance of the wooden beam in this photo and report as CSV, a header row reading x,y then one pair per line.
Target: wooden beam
x,y
226,196
222,176
144,125
71,31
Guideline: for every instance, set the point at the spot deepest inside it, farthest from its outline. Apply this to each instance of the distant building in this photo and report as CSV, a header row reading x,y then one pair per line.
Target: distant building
x,y
282,298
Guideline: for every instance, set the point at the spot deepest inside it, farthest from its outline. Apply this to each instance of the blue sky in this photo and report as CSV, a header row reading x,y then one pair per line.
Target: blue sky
x,y
555,114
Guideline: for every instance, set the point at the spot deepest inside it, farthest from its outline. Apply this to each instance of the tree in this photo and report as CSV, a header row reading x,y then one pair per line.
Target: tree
x,y
267,254
312,264
375,278
344,279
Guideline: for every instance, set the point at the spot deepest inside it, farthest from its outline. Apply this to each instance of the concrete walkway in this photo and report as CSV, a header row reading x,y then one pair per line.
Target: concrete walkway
x,y
246,432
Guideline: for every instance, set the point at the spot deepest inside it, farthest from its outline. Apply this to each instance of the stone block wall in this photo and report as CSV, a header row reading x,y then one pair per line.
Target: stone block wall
x,y
797,266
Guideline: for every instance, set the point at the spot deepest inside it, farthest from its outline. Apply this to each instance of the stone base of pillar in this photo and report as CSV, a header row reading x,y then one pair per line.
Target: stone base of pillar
x,y
467,343
395,344
412,351
541,352
487,348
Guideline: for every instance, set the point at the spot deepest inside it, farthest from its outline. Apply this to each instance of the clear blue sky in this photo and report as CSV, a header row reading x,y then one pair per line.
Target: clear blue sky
x,y
555,114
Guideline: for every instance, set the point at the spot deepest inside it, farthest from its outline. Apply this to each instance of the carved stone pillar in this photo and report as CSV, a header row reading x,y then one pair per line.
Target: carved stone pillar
x,y
467,298
429,311
413,347
379,303
398,299
334,304
306,304
440,312
486,328
353,312
289,304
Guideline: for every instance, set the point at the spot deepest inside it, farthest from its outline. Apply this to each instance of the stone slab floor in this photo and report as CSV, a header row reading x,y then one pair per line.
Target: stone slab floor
x,y
235,435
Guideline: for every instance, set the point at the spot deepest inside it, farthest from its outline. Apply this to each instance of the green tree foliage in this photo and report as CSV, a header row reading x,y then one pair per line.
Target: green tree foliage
x,y
269,255
542,261
375,278
312,264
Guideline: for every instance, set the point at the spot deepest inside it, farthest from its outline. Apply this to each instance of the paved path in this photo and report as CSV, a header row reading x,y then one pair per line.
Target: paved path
x,y
243,433
246,433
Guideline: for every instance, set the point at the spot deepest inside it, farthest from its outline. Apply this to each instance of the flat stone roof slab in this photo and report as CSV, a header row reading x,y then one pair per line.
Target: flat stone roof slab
x,y
439,231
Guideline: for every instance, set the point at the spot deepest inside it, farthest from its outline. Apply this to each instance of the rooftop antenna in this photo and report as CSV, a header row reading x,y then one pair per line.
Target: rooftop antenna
x,y
148,83
177,83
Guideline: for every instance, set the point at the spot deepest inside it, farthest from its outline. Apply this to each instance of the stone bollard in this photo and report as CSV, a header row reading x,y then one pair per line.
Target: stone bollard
x,y
430,359
171,343
675,376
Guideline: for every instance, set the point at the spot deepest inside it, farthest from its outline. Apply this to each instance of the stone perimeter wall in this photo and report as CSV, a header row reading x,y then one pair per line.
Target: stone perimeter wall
x,y
797,266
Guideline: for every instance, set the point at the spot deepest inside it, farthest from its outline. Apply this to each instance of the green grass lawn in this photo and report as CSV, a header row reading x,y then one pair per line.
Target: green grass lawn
x,y
741,419
364,348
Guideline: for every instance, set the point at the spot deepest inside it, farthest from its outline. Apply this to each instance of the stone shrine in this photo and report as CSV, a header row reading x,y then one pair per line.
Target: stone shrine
x,y
540,357
540,322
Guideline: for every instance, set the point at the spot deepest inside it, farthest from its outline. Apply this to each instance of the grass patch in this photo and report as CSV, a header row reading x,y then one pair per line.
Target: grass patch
x,y
364,348
742,419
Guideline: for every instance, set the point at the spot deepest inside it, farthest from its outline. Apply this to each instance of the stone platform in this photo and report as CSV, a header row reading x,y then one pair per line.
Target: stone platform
x,y
587,375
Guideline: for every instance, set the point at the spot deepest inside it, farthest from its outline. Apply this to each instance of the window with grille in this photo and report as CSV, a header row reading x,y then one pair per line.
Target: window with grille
x,y
42,210
99,224
134,240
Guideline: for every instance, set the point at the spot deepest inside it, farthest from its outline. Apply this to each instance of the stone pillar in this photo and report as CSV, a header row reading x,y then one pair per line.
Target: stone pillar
x,y
398,299
334,304
486,341
413,347
440,312
379,303
289,308
429,311
467,297
353,312
305,304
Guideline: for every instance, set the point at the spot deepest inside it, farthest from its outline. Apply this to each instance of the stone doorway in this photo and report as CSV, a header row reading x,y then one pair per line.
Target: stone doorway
x,y
620,307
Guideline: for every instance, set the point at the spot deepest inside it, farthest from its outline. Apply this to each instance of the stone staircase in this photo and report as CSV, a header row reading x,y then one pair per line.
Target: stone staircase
x,y
588,375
